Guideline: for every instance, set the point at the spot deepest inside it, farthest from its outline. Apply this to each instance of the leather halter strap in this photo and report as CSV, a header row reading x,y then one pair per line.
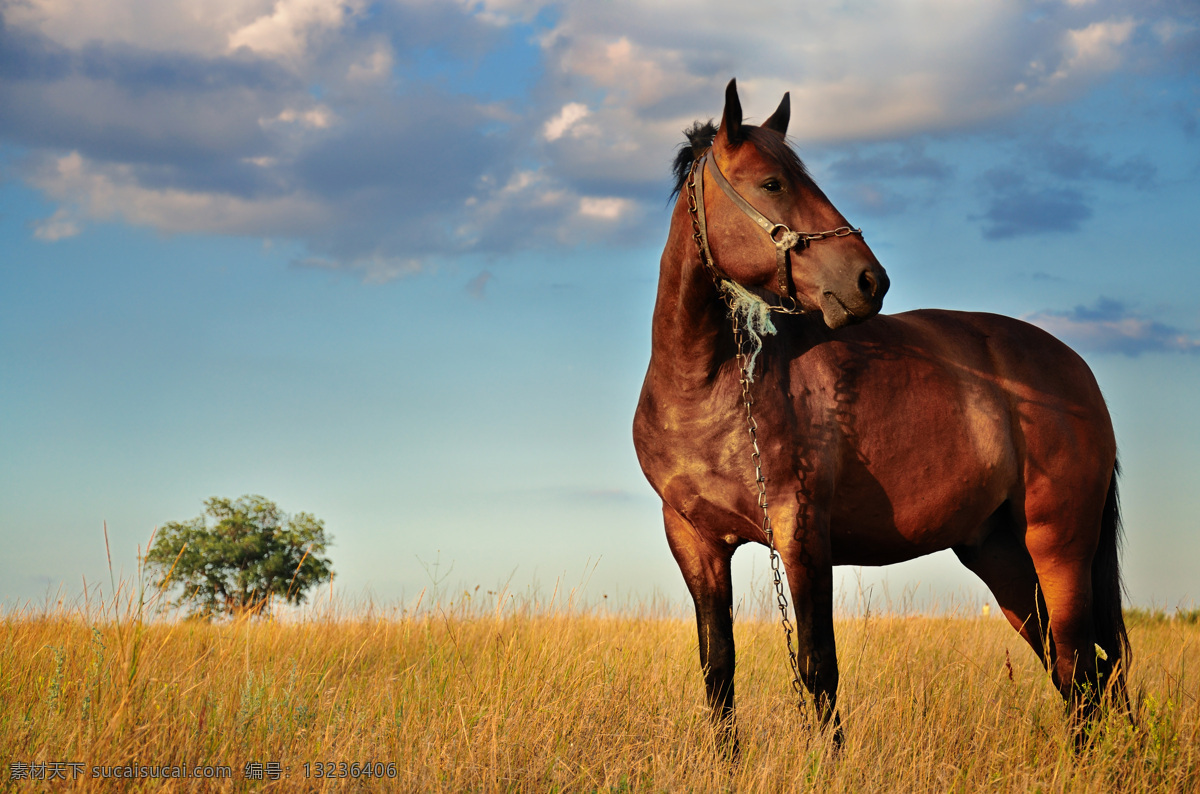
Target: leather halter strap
x,y
786,241
698,214
784,238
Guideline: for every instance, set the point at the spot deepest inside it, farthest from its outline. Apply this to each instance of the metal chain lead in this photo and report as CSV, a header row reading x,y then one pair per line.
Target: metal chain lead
x,y
761,480
706,260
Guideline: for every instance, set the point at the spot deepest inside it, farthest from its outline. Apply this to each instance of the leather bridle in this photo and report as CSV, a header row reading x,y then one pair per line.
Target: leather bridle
x,y
784,238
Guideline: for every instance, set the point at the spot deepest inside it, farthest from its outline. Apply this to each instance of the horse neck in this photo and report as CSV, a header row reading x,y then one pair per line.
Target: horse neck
x,y
689,315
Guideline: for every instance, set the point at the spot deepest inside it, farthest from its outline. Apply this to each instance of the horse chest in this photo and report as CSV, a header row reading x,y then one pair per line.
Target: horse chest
x,y
672,441
699,458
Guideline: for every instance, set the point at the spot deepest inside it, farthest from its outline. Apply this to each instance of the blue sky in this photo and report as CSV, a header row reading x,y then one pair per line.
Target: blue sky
x,y
393,263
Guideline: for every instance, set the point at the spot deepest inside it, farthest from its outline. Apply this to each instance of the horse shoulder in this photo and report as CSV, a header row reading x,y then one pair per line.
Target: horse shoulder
x,y
684,436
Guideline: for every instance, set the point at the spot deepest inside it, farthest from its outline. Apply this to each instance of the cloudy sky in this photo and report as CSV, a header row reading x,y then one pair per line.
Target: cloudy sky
x,y
393,262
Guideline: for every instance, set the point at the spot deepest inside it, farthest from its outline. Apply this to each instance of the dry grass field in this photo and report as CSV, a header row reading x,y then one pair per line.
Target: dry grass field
x,y
535,698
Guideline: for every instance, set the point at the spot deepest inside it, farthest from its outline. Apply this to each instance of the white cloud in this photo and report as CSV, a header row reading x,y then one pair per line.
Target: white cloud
x,y
608,208
375,66
570,115
271,28
545,210
524,188
286,31
195,26
1083,55
879,69
531,186
115,193
640,74
874,70
912,67
1095,48
1112,327
301,117
60,225
503,13
316,117
375,268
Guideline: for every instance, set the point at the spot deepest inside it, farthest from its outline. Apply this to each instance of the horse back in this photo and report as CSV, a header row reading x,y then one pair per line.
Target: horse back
x,y
940,418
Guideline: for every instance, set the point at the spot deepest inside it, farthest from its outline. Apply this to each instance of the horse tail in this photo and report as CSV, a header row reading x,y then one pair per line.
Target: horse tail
x,y
1109,623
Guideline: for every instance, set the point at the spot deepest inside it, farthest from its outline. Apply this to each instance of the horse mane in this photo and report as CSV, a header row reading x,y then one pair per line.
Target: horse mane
x,y
699,138
769,144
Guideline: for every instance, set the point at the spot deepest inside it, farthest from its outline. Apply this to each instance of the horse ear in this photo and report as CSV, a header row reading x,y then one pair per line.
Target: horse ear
x,y
731,119
782,115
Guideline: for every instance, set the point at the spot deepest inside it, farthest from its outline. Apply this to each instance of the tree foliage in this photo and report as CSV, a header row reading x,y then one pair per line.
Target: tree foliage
x,y
239,556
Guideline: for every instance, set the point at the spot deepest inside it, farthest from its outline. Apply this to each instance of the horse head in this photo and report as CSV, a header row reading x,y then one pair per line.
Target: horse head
x,y
771,227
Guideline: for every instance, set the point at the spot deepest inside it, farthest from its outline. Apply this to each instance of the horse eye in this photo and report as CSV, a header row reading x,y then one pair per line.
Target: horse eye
x,y
772,186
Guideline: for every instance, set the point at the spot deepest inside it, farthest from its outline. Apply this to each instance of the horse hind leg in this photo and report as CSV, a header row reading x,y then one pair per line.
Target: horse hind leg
x,y
1068,590
1106,602
1046,596
705,565
1002,562
1064,564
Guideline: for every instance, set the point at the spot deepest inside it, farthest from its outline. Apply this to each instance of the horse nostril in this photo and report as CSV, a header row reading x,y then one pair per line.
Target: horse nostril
x,y
867,283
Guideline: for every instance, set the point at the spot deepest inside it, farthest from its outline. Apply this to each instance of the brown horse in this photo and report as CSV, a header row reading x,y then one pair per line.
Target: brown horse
x,y
883,438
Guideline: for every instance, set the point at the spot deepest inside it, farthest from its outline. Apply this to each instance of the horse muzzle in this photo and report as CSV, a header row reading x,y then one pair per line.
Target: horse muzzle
x,y
856,302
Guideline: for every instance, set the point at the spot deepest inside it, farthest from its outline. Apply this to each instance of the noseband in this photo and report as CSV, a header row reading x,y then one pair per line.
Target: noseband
x,y
784,238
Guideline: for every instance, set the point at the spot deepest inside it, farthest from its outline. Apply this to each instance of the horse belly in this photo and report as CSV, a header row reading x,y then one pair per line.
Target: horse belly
x,y
943,518
916,487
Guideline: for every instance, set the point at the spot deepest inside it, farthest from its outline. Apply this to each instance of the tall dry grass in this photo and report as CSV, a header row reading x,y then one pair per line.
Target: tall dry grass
x,y
529,697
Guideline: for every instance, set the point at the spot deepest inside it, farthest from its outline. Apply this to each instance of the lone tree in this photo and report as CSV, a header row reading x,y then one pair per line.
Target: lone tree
x,y
250,554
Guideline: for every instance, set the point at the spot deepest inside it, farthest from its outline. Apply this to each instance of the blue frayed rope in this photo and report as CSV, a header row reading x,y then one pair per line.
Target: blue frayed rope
x,y
753,316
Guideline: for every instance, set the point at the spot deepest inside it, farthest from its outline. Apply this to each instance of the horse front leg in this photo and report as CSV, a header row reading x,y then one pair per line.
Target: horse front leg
x,y
704,563
809,565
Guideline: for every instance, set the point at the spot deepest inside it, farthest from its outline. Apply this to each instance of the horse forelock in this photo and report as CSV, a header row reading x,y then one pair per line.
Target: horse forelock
x,y
769,143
